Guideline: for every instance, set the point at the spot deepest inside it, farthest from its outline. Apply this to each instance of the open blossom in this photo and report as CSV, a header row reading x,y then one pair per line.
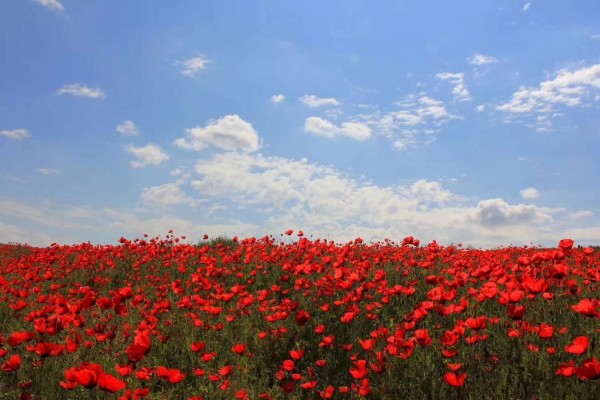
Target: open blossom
x,y
455,380
12,364
579,346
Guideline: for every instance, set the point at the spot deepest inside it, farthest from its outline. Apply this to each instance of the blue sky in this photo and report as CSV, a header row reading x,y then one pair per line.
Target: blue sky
x,y
465,122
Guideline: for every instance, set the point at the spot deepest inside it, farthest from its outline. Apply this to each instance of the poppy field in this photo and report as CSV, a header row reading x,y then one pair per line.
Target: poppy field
x,y
296,318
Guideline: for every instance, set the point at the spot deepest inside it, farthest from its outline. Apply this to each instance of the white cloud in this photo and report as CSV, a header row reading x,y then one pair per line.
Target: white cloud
x,y
526,6
324,201
176,172
430,192
16,134
277,193
417,121
458,79
165,195
48,171
320,126
150,154
127,128
53,5
496,212
530,193
277,98
568,88
595,37
481,59
80,90
14,234
15,178
313,101
480,108
192,66
230,133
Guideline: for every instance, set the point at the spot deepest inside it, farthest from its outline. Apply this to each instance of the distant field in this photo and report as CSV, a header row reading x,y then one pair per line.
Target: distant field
x,y
298,319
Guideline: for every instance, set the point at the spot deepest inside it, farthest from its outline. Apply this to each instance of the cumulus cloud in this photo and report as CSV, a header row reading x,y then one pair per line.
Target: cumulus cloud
x,y
313,101
480,108
48,171
567,88
279,193
165,195
530,193
497,212
297,184
127,128
80,90
53,5
322,200
277,98
16,134
458,80
526,6
322,127
150,154
192,66
230,133
430,192
481,59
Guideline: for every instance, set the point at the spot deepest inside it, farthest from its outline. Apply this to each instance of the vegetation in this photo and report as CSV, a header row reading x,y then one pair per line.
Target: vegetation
x,y
256,318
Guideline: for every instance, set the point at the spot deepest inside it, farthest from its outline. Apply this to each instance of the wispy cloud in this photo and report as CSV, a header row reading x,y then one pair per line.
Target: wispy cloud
x,y
15,179
48,171
277,98
53,5
416,121
192,66
229,133
568,88
16,134
322,127
460,90
80,90
526,6
150,154
127,128
481,59
313,101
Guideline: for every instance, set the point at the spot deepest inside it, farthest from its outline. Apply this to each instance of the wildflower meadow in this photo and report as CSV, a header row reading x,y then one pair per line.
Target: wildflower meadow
x,y
296,318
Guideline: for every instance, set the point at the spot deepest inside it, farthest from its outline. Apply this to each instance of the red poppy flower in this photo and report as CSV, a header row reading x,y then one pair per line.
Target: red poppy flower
x,y
590,369
297,354
455,380
288,365
360,371
546,331
110,384
586,307
12,364
238,349
226,370
367,344
579,346
197,346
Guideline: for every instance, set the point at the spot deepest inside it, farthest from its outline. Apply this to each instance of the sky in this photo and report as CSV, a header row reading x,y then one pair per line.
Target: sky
x,y
463,122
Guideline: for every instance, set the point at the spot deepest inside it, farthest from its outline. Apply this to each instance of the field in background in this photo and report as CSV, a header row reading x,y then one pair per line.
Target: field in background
x,y
279,318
